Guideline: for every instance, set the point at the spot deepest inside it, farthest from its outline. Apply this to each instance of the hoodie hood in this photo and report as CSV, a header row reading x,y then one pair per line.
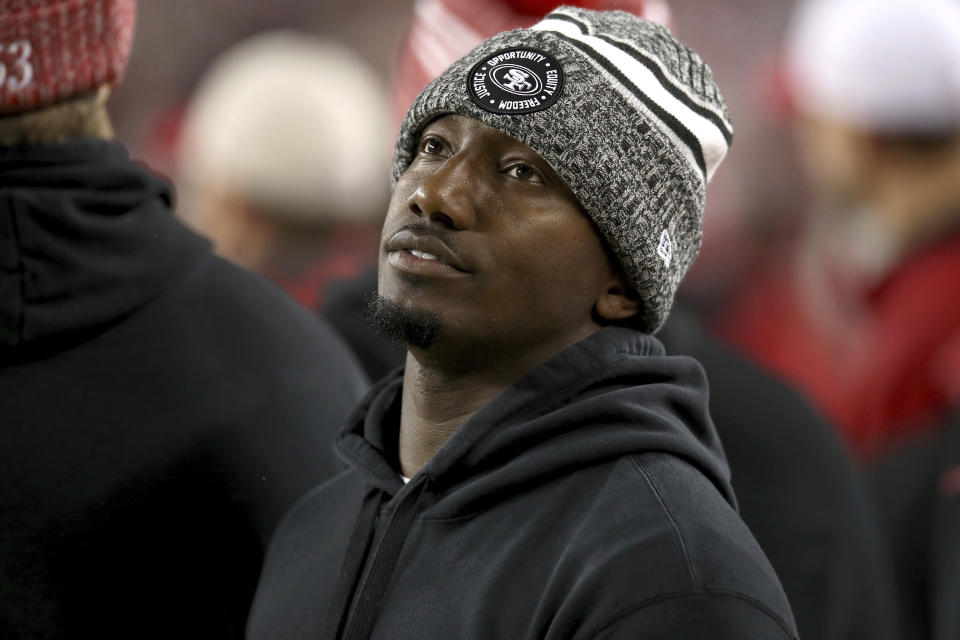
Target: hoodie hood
x,y
86,239
611,395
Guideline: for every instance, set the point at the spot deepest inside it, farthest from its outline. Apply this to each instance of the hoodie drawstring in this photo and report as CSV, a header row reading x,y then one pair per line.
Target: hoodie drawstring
x,y
369,595
353,562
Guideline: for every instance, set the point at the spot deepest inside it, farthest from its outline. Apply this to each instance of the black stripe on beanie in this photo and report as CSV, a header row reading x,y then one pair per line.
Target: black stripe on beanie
x,y
657,71
678,128
677,93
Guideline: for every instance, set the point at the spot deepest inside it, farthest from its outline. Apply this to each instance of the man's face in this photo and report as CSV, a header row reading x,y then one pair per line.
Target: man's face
x,y
483,236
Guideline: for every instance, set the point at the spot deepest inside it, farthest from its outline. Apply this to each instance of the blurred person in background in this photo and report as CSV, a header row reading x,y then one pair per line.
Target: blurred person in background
x,y
159,408
283,164
284,160
865,317
443,30
817,529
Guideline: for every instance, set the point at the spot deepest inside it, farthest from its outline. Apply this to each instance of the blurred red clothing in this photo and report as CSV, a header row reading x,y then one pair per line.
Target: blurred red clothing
x,y
882,361
444,30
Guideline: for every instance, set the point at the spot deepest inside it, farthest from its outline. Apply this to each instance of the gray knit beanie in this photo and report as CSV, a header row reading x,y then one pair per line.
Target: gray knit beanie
x,y
624,113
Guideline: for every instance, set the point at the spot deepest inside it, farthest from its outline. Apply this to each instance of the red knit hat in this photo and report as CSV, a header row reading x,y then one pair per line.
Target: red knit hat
x,y
51,50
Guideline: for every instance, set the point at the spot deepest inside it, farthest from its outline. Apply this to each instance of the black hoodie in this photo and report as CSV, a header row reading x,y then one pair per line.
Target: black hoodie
x,y
159,408
589,500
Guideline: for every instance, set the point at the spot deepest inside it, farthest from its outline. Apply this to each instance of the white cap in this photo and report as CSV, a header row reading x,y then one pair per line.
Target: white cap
x,y
889,66
299,124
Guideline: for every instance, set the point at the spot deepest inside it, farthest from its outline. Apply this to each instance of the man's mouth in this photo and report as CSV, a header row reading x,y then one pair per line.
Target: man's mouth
x,y
422,263
424,254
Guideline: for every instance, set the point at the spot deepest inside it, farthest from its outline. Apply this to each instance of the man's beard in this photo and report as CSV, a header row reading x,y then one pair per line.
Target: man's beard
x,y
401,323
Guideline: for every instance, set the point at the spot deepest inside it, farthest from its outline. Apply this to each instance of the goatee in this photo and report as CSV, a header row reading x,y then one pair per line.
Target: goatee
x,y
401,323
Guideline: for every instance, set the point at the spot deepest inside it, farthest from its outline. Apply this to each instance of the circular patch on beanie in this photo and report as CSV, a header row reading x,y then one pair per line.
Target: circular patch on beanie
x,y
515,80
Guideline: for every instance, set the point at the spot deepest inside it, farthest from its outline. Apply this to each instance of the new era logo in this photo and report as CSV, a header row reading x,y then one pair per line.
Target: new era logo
x,y
665,248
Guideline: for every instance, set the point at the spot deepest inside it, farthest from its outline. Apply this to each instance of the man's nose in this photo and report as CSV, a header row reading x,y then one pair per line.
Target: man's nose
x,y
447,195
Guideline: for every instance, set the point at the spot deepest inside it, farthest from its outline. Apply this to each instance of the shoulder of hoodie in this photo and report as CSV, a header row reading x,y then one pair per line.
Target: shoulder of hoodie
x,y
694,615
325,513
709,568
251,301
231,352
241,323
651,515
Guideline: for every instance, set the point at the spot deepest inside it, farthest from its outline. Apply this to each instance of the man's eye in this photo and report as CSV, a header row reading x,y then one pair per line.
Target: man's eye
x,y
522,171
431,145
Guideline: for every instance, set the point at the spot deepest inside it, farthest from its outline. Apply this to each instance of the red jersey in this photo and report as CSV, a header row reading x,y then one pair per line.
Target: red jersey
x,y
881,364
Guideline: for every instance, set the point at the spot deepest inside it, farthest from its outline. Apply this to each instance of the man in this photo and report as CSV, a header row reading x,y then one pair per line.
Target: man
x,y
796,489
159,408
565,480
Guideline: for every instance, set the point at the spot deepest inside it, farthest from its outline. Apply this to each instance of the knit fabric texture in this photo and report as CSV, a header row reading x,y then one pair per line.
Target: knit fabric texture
x,y
52,50
636,132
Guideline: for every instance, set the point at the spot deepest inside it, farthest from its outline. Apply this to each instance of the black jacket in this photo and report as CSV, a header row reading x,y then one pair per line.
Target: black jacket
x,y
589,500
918,490
159,408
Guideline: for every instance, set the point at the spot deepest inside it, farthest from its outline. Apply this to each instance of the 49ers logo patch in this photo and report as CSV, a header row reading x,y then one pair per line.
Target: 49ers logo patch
x,y
515,81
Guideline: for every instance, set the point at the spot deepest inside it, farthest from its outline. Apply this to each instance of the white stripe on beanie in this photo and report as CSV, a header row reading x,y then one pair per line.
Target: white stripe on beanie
x,y
700,138
674,85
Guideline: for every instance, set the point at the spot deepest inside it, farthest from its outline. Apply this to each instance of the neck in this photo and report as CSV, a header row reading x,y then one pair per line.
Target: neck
x,y
439,398
435,405
81,117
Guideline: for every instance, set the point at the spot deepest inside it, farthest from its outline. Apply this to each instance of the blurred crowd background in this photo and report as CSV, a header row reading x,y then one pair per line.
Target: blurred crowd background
x,y
831,252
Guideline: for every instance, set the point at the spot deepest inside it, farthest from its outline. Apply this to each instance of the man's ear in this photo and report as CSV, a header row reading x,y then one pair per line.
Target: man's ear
x,y
618,302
